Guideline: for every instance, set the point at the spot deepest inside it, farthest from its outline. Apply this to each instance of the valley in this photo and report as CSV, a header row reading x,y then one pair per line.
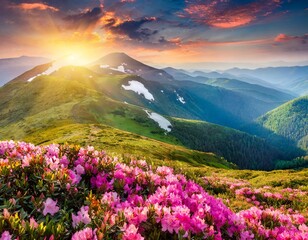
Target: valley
x,y
89,96
224,134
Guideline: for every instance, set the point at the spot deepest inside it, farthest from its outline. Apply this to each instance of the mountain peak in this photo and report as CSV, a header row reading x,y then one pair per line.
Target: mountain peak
x,y
122,60
119,56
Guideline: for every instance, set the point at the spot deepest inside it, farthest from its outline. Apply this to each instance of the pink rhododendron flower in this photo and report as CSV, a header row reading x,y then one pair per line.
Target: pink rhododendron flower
x,y
75,178
33,223
126,199
6,213
50,206
26,161
85,234
6,236
79,169
82,216
131,232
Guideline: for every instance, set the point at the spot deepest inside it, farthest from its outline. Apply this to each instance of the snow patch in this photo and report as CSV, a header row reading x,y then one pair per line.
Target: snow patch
x,y
139,88
162,122
55,66
181,99
30,79
160,74
119,69
162,91
104,66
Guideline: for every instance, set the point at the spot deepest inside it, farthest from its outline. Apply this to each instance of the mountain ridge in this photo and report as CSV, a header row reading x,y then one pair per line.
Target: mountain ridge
x,y
76,99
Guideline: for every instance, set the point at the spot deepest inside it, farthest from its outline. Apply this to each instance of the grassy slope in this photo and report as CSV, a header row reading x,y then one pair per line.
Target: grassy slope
x,y
117,142
83,97
43,113
289,120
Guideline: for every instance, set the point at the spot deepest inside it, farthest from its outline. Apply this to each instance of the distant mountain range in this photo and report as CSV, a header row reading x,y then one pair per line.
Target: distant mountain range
x,y
51,100
294,79
259,92
12,67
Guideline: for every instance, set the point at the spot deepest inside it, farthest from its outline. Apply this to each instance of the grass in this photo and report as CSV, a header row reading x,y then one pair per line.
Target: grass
x,y
126,144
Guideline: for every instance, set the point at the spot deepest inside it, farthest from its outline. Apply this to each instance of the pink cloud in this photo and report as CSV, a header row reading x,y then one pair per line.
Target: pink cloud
x,y
287,38
226,14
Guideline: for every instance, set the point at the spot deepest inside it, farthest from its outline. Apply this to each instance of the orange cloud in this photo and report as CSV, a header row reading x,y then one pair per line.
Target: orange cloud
x,y
36,6
233,21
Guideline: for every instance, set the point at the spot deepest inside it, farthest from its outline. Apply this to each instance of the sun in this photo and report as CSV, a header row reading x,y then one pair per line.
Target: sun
x,y
75,59
78,54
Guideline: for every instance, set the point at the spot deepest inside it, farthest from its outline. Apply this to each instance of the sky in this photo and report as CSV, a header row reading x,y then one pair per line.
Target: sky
x,y
159,32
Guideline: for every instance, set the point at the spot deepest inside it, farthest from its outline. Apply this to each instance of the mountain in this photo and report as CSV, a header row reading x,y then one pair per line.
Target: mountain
x,y
213,104
284,77
75,103
13,67
271,97
181,75
300,86
203,102
289,120
122,63
243,78
231,107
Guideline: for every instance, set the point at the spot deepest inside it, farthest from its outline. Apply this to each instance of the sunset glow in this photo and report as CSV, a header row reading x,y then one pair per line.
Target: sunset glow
x,y
193,31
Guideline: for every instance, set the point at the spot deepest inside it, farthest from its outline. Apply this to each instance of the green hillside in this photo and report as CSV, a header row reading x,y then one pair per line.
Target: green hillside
x,y
234,145
289,120
35,111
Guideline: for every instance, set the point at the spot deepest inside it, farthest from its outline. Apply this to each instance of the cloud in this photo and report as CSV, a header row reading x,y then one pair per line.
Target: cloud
x,y
228,13
35,6
86,19
133,29
91,37
280,38
290,43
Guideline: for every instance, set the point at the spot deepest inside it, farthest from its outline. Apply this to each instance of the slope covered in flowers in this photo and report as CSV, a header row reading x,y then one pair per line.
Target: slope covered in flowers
x,y
68,192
